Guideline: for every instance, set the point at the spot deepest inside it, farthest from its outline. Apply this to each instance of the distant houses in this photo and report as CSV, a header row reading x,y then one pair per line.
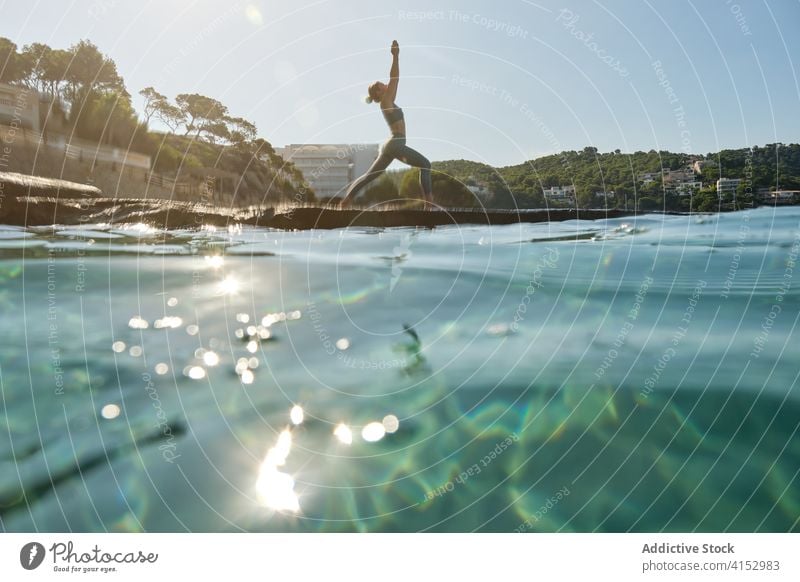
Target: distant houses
x,y
686,181
727,186
682,181
679,176
560,194
779,196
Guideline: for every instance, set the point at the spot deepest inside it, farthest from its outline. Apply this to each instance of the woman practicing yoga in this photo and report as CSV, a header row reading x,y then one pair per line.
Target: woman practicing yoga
x,y
395,147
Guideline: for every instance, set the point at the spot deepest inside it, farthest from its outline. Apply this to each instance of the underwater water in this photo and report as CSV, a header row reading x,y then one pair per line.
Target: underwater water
x,y
634,374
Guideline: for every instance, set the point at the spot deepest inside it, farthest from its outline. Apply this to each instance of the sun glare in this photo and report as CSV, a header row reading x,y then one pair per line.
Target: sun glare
x,y
229,286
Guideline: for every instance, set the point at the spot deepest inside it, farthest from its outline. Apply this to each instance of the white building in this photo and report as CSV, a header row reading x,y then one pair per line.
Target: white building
x,y
782,196
330,168
19,107
727,186
560,194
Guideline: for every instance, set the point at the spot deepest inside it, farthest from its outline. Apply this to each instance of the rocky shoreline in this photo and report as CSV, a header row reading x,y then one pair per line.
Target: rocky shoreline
x,y
33,201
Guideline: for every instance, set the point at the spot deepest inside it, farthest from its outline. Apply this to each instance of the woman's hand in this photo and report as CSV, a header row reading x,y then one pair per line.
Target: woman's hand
x,y
395,48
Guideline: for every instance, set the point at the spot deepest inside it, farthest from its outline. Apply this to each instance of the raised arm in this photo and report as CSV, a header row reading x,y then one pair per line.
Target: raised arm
x,y
394,74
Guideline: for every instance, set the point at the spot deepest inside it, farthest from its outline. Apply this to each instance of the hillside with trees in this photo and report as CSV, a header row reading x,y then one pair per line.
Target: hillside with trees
x,y
84,96
589,171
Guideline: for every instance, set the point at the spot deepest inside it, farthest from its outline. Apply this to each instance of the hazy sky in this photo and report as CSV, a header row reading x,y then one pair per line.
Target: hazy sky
x,y
498,82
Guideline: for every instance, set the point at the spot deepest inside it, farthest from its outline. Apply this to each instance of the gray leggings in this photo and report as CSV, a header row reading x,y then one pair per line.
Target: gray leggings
x,y
395,148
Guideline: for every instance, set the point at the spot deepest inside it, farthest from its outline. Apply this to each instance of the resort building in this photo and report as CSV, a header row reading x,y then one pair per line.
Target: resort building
x,y
727,186
560,194
682,176
330,168
781,197
682,181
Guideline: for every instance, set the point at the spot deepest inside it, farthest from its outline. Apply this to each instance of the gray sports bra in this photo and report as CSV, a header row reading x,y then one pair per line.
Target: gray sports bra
x,y
392,114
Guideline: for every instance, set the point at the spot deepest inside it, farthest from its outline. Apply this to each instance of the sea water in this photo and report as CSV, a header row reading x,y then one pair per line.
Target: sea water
x,y
635,374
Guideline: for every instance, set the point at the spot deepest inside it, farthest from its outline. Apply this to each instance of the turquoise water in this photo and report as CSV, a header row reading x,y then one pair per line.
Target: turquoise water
x,y
620,375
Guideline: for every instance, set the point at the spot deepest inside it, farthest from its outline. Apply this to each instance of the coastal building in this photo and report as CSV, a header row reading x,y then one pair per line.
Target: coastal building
x,y
727,186
19,107
682,181
680,176
781,197
560,194
330,168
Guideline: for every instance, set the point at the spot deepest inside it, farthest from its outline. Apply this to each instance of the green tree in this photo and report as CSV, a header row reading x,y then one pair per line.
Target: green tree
x,y
53,65
92,87
170,115
153,101
11,65
89,71
108,118
706,200
745,195
240,131
585,195
650,203
201,112
35,55
409,185
217,130
500,193
383,189
450,192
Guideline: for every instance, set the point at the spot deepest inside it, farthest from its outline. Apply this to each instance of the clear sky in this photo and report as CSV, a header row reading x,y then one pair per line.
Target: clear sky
x,y
498,82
